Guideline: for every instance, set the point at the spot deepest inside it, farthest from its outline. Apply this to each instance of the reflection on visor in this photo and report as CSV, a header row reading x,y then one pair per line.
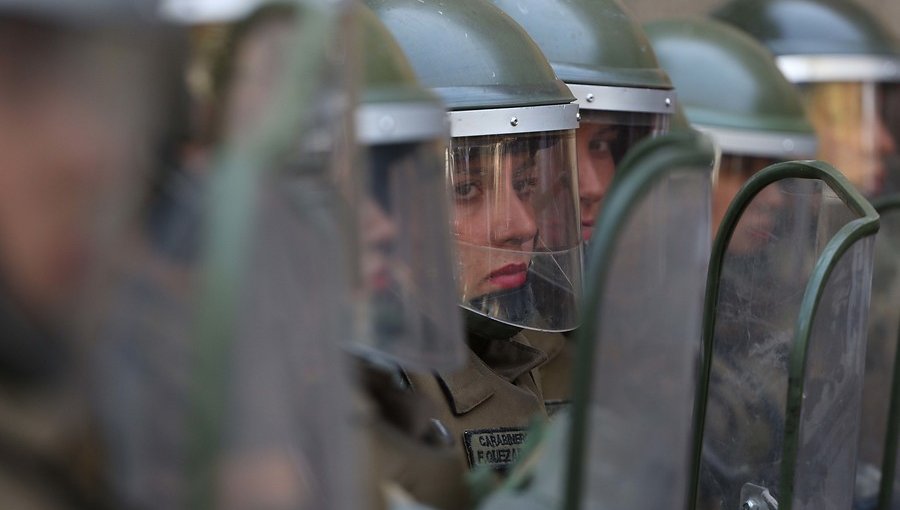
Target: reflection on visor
x,y
516,225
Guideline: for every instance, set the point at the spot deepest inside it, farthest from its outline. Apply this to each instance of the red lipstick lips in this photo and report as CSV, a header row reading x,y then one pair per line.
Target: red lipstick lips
x,y
587,229
510,276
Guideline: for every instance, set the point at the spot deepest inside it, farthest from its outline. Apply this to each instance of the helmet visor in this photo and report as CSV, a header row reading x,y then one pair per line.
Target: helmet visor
x,y
601,141
858,124
516,223
406,269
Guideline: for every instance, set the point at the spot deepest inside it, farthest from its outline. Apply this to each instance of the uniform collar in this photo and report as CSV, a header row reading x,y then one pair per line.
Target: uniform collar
x,y
550,343
491,363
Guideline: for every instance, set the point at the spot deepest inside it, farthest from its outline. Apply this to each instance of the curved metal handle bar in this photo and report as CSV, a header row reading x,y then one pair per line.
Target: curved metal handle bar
x,y
864,226
884,206
239,172
648,162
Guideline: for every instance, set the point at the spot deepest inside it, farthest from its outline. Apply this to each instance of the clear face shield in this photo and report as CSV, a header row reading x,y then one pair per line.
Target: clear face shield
x,y
857,125
602,139
220,373
734,171
516,224
406,261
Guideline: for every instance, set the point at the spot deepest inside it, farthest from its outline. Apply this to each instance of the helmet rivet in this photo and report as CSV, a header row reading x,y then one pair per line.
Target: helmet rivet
x,y
668,102
590,98
578,116
514,121
788,145
386,124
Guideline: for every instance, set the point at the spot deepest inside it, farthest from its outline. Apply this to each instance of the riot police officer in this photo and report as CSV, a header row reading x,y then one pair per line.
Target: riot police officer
x,y
770,238
846,64
511,176
623,97
712,64
80,89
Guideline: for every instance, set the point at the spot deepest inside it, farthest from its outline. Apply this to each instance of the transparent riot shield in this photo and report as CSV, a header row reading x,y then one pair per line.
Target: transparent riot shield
x,y
787,300
221,377
645,318
876,478
626,444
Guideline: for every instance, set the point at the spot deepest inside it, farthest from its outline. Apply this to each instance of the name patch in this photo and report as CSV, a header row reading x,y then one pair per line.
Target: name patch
x,y
497,448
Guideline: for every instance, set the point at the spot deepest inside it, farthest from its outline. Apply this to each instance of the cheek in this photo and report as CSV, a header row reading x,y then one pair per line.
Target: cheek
x,y
59,169
470,224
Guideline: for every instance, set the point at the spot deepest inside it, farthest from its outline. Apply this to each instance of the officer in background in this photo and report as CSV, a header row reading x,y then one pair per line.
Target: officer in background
x,y
511,175
846,63
81,97
623,97
711,64
731,89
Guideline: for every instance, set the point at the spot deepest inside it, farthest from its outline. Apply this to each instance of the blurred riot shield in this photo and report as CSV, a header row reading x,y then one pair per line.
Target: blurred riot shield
x,y
876,479
221,379
787,301
85,107
627,441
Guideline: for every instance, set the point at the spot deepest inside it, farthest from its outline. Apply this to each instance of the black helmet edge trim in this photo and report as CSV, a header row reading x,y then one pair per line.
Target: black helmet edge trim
x,y
769,144
624,99
385,123
503,121
833,68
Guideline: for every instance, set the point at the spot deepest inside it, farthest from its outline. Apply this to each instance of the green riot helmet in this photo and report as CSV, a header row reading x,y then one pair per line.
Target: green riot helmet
x,y
511,162
847,66
731,89
406,269
603,55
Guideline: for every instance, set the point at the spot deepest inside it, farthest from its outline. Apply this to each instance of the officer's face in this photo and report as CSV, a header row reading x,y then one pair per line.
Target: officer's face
x,y
67,145
853,136
757,223
379,233
596,168
255,73
494,219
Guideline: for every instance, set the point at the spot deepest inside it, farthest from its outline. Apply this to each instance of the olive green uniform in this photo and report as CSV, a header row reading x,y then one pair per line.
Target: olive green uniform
x,y
556,374
49,453
488,406
407,448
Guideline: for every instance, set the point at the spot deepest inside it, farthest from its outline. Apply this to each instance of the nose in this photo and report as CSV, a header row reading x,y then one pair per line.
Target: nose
x,y
885,142
512,220
591,187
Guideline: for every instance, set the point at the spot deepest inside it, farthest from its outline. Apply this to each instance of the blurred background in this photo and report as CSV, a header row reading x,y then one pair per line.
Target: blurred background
x,y
648,10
